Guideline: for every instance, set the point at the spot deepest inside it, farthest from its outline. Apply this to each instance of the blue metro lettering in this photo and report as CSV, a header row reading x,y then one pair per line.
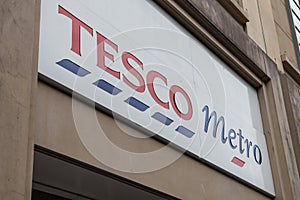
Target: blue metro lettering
x,y
232,136
259,158
241,137
248,145
216,124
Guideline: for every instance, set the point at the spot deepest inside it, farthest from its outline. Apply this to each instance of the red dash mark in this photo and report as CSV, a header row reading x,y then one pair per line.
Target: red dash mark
x,y
238,161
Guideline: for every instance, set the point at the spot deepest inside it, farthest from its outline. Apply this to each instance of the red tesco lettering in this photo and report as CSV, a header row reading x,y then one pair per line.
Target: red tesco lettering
x,y
102,41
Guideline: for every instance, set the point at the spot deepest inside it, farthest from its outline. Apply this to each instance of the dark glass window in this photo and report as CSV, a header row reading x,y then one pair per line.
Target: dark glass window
x,y
58,177
38,195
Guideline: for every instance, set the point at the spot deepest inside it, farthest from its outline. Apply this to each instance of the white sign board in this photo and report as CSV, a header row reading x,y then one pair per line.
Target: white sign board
x,y
132,58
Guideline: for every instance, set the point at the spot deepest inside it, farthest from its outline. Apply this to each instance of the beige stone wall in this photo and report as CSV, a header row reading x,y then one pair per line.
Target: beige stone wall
x,y
262,28
283,30
254,26
16,64
291,91
269,27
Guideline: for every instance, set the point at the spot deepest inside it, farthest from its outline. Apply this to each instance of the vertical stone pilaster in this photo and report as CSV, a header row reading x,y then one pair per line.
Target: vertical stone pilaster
x,y
16,64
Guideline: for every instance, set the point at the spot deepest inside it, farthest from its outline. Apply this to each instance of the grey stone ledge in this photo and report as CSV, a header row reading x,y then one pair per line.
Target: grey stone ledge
x,y
214,18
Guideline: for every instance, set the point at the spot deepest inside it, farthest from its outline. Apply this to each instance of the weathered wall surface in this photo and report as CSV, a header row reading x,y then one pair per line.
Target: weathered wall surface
x,y
16,64
294,91
283,29
291,91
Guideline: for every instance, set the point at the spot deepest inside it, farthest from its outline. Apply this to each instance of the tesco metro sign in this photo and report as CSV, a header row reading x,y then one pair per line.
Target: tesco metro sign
x,y
145,67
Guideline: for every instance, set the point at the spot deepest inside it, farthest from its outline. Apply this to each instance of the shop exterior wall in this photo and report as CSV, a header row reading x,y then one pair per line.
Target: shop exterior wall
x,y
283,30
44,112
291,90
254,26
17,37
269,32
216,20
294,94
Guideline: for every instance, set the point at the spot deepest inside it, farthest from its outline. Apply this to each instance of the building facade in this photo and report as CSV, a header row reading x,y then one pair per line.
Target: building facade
x,y
225,123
